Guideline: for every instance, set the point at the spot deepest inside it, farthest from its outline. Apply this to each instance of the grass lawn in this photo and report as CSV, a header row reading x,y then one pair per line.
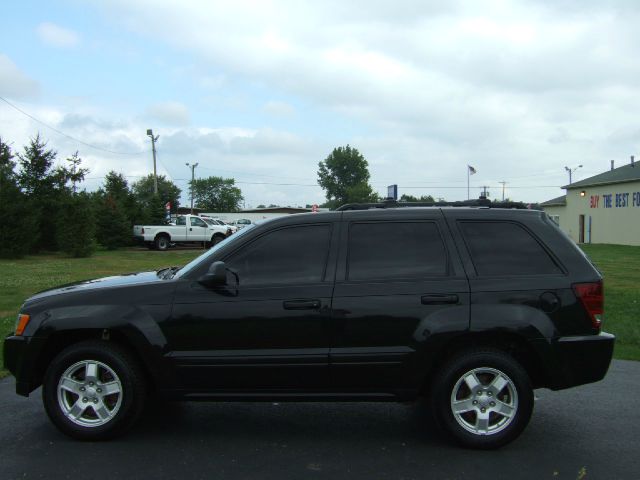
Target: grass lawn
x,y
620,265
22,278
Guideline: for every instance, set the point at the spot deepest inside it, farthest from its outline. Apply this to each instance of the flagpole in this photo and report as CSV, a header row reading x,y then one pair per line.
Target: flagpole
x,y
468,169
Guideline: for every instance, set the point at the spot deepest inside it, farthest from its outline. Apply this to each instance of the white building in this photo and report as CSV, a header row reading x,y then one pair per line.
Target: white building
x,y
604,208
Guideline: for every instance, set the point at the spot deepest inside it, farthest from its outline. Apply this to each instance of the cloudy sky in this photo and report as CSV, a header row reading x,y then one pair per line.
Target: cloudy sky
x,y
263,90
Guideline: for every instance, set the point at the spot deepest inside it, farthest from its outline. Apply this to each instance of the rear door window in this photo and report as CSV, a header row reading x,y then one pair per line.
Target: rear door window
x,y
506,249
387,250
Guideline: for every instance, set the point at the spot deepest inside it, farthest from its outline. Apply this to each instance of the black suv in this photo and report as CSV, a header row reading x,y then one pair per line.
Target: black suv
x,y
472,307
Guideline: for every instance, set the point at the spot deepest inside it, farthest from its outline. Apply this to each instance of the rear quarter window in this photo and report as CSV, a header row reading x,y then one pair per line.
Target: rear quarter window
x,y
506,249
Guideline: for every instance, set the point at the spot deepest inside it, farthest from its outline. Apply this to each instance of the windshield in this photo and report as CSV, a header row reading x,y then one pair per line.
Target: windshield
x,y
196,261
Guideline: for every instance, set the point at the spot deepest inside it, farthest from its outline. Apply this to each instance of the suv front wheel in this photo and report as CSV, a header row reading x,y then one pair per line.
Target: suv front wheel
x,y
482,398
93,390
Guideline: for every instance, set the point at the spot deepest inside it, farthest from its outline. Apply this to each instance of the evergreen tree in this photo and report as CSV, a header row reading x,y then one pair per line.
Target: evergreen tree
x,y
75,174
114,201
16,218
45,187
76,225
113,229
156,212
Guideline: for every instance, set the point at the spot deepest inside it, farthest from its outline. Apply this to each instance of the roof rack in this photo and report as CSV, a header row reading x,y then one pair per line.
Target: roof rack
x,y
482,202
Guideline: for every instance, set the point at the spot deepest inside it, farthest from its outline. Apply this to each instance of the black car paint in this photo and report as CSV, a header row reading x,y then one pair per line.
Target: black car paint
x,y
332,339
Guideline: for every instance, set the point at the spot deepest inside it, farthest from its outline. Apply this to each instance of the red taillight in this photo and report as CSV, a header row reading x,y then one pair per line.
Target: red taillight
x,y
592,298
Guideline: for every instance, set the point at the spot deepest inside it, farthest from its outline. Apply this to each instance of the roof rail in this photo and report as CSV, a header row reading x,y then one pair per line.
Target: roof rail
x,y
465,203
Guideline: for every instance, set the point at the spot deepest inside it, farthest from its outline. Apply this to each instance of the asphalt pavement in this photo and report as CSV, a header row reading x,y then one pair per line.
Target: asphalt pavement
x,y
588,432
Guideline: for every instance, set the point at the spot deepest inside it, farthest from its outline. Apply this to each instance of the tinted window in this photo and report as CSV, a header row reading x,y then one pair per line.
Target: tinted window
x,y
395,250
197,222
285,256
181,221
502,248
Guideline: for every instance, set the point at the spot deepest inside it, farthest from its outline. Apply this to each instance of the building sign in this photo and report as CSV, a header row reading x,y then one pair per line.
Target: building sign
x,y
615,200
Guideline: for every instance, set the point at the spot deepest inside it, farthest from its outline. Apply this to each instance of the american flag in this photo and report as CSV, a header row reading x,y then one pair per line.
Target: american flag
x,y
471,169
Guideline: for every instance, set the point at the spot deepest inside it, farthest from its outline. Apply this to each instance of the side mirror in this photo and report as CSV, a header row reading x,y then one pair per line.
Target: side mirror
x,y
216,275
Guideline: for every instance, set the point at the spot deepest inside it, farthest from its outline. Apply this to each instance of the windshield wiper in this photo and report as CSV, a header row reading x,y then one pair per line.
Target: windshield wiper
x,y
167,272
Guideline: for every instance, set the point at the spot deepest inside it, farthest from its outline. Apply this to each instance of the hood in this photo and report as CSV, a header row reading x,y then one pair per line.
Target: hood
x,y
98,283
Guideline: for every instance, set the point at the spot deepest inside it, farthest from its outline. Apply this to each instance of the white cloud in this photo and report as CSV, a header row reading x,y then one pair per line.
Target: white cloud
x,y
57,36
279,109
517,88
169,113
14,82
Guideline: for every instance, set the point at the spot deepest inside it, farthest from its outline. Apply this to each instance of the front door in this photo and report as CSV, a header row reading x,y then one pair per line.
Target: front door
x,y
269,330
197,230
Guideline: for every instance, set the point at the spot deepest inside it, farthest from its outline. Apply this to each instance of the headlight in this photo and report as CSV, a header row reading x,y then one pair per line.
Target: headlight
x,y
21,323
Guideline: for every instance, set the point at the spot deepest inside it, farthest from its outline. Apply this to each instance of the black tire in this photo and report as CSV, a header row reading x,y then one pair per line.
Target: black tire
x,y
489,368
217,238
162,242
115,369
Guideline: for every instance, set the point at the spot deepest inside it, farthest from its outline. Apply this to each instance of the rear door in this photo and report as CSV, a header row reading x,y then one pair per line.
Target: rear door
x,y
399,284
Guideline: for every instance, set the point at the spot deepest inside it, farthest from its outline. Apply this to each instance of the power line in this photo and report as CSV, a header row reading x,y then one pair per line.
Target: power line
x,y
253,174
67,135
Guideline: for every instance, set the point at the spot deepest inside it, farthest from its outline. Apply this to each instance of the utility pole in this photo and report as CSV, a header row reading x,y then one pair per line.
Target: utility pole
x,y
571,170
193,175
503,184
153,149
485,194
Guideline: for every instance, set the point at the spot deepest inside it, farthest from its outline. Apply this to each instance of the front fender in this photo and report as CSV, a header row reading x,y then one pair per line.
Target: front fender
x,y
136,325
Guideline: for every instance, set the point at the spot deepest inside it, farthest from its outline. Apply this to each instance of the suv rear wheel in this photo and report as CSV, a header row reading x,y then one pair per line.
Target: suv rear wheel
x,y
93,390
482,399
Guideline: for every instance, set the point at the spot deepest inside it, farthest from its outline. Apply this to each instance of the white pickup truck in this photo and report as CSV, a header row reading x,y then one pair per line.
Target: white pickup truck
x,y
187,229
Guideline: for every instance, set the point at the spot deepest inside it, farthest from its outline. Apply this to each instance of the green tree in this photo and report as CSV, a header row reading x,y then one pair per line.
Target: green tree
x,y
75,173
16,218
45,186
167,192
113,228
411,198
116,188
76,225
216,194
155,212
344,175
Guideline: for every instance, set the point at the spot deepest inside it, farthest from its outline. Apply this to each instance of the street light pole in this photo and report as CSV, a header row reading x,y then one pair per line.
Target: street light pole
x,y
193,168
503,184
153,149
571,170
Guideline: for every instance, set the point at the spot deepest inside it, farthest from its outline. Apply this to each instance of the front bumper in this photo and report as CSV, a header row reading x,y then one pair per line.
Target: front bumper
x,y
20,354
578,360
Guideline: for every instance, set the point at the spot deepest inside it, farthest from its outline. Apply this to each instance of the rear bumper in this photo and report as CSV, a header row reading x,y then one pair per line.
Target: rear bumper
x,y
20,354
579,360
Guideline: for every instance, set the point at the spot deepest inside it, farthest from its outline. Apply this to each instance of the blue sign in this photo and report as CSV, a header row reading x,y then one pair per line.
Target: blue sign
x,y
392,192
